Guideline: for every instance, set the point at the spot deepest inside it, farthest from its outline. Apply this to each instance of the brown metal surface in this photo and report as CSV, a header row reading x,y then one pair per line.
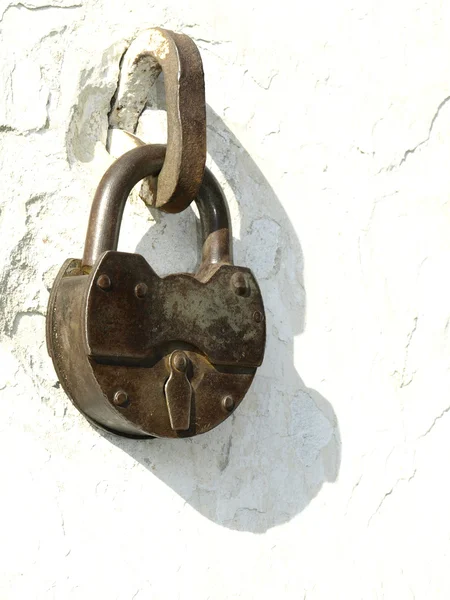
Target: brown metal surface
x,y
131,399
207,316
145,356
178,57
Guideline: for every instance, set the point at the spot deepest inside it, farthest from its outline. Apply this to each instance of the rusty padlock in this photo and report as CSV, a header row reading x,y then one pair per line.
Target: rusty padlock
x,y
144,356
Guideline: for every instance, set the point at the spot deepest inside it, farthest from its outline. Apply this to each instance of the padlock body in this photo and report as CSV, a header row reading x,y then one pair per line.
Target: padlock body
x,y
112,344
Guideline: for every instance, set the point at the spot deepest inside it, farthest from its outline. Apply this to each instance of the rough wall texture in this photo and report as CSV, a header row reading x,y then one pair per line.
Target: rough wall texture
x,y
328,126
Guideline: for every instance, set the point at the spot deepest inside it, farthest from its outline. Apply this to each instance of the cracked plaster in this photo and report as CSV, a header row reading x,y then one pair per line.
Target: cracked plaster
x,y
329,134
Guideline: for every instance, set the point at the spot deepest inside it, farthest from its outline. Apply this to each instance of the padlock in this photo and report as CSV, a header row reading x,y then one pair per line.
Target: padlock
x,y
147,356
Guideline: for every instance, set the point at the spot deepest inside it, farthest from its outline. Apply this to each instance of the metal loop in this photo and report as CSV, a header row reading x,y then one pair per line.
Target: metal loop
x,y
178,57
112,193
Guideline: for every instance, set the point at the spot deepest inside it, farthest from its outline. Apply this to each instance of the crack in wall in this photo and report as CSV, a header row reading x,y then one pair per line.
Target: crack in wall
x,y
403,382
390,492
438,418
224,461
411,151
43,7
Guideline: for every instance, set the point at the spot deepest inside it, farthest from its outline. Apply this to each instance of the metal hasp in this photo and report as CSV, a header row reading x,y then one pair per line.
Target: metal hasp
x,y
147,356
176,55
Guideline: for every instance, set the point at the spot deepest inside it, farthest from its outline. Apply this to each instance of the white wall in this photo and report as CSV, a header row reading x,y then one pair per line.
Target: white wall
x,y
329,125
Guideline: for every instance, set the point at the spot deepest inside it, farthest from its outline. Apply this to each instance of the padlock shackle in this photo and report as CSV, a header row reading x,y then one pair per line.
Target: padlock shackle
x,y
215,224
115,187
